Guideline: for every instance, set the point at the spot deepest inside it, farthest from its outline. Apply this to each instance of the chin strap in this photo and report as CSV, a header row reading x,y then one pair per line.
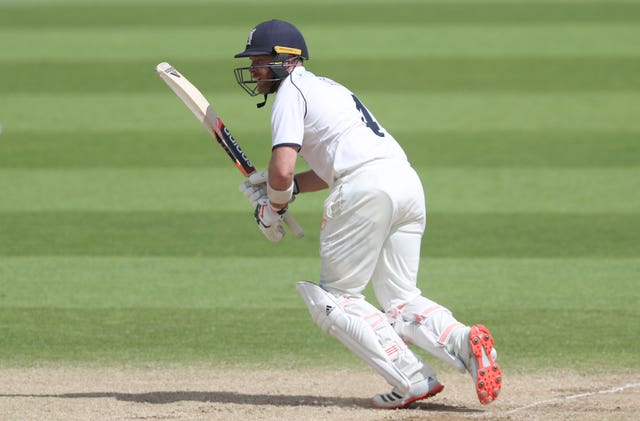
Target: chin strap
x,y
262,104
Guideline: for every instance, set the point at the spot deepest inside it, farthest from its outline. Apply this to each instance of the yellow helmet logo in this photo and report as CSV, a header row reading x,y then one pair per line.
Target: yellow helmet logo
x,y
287,50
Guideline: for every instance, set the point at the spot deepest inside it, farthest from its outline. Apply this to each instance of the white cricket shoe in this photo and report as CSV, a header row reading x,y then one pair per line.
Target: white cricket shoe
x,y
478,355
420,390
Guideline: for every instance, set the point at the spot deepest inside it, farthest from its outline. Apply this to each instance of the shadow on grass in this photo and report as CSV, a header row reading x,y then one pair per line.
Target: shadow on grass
x,y
239,398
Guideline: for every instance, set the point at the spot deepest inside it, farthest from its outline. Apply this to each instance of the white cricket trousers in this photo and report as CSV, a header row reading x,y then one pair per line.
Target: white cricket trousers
x,y
373,222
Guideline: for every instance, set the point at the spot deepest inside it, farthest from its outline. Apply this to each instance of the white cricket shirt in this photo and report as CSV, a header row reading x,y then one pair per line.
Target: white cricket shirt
x,y
333,129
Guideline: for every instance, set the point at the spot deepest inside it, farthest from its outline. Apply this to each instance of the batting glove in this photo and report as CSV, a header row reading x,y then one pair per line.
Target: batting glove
x,y
253,193
266,215
269,220
255,187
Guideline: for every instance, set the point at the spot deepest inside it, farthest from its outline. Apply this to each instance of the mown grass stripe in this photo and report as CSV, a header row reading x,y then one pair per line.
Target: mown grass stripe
x,y
326,42
158,335
247,3
217,234
206,282
522,149
396,111
449,189
343,13
116,149
532,190
123,282
435,74
192,147
141,336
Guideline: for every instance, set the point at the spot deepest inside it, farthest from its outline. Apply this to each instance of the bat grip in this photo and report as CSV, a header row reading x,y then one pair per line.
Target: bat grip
x,y
293,225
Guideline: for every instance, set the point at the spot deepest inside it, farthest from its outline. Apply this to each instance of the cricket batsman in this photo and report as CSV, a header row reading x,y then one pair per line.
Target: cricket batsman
x,y
373,221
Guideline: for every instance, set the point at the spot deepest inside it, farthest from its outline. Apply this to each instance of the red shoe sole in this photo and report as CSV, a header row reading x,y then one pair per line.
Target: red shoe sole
x,y
489,373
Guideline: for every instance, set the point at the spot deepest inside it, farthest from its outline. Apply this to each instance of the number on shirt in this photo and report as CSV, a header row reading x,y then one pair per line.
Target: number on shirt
x,y
367,118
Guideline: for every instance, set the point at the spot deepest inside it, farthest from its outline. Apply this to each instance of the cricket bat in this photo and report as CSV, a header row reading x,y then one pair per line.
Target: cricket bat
x,y
200,107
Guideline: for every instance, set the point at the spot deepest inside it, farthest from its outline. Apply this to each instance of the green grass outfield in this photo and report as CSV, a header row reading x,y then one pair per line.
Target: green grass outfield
x,y
124,240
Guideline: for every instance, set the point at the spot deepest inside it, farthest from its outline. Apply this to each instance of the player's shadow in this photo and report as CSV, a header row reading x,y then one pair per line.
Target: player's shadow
x,y
239,398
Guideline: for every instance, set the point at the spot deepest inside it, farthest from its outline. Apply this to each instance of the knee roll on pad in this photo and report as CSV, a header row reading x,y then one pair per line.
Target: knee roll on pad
x,y
420,336
428,325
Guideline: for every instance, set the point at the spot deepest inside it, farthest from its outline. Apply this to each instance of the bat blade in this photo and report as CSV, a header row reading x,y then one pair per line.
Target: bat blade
x,y
204,112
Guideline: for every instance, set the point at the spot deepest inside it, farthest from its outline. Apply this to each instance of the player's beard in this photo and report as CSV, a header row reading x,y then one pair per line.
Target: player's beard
x,y
267,85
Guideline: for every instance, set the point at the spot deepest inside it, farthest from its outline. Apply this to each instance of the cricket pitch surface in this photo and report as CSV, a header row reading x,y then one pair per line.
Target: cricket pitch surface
x,y
219,393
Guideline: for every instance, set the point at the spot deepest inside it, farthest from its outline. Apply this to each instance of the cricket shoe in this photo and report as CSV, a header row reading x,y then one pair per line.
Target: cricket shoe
x,y
420,390
481,364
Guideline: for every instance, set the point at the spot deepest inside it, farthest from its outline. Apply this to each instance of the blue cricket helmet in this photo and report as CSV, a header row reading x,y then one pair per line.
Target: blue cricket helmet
x,y
275,37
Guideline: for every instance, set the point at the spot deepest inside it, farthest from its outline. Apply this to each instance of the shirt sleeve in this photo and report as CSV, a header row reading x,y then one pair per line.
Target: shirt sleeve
x,y
287,116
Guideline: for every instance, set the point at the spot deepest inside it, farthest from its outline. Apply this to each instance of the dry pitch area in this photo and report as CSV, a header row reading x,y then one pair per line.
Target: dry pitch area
x,y
237,394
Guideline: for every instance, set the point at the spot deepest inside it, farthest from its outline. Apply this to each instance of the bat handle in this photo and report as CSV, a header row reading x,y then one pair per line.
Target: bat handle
x,y
293,225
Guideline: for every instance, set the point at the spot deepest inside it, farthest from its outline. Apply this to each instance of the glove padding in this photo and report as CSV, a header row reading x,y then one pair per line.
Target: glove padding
x,y
269,219
255,190
255,187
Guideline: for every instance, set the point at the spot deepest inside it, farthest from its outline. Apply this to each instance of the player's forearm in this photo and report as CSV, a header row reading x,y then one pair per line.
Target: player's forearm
x,y
281,167
280,185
